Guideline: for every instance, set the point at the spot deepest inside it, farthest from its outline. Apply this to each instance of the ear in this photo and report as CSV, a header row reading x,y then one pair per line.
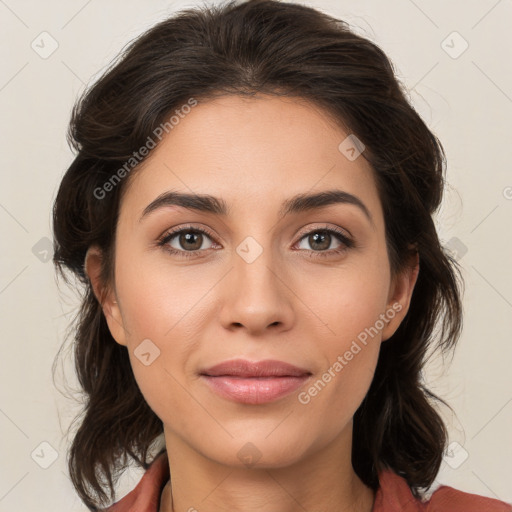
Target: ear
x,y
105,294
400,293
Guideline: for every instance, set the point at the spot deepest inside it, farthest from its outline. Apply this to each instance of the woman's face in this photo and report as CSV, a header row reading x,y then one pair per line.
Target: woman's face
x,y
267,281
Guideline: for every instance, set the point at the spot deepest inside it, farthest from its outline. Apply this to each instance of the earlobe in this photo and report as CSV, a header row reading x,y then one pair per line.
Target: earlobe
x,y
104,294
400,296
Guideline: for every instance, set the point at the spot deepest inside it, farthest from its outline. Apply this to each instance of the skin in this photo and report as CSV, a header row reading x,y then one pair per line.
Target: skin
x,y
289,304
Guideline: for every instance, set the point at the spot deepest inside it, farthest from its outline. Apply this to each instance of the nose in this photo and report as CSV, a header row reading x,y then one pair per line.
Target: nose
x,y
257,295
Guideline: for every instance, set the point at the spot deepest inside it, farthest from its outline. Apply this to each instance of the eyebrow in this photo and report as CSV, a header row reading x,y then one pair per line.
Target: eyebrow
x,y
296,204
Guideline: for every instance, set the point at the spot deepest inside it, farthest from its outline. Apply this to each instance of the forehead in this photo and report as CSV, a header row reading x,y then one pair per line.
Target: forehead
x,y
249,150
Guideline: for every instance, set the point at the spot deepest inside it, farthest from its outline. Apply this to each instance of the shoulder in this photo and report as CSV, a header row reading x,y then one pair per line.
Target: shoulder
x,y
145,497
448,498
394,494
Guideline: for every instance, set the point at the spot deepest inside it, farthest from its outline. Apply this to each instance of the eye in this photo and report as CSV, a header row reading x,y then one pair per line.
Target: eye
x,y
189,241
320,241
185,241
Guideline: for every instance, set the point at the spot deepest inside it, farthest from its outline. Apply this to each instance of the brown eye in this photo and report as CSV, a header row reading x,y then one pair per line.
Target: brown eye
x,y
186,240
190,241
320,240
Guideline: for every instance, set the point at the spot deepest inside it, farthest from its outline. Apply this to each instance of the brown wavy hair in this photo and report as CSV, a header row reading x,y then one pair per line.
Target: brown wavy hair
x,y
258,46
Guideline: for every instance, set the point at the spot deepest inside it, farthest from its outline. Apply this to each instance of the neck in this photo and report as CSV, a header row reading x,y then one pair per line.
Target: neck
x,y
323,481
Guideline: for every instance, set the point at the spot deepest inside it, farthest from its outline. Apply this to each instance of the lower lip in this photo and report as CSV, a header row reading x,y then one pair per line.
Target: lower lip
x,y
254,390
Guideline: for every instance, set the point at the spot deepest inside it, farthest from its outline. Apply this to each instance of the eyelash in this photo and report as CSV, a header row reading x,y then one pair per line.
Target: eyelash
x,y
340,235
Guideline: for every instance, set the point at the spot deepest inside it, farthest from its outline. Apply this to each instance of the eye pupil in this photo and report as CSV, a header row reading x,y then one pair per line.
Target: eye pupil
x,y
323,236
189,237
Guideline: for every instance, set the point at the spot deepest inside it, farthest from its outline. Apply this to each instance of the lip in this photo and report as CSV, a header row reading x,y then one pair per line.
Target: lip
x,y
248,369
254,382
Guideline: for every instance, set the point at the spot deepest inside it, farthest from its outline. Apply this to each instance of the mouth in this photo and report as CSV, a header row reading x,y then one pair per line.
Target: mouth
x,y
257,369
254,383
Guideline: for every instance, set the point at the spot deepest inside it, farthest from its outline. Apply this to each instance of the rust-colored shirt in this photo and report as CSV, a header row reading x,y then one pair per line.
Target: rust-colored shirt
x,y
393,495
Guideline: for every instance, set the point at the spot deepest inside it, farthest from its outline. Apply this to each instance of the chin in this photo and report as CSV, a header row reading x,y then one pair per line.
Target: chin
x,y
257,451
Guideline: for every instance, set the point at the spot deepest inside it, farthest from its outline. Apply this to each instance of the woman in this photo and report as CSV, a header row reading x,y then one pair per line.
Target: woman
x,y
250,211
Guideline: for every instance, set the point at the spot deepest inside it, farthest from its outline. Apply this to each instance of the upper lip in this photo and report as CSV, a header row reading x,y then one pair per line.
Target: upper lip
x,y
245,368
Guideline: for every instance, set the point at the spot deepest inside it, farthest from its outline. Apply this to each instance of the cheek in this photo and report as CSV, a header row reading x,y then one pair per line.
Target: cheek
x,y
159,299
164,316
349,303
349,298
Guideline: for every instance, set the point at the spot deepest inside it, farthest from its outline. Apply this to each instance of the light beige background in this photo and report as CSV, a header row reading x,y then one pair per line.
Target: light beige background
x,y
467,101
